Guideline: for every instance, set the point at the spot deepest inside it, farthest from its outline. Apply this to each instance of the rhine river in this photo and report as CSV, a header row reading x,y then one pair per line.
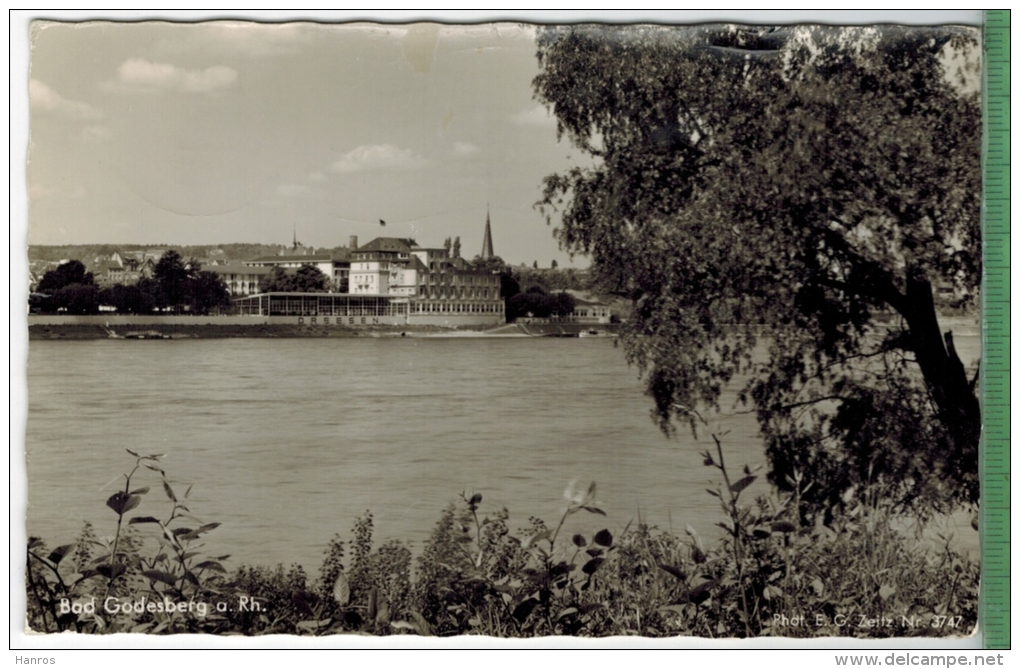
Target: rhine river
x,y
287,441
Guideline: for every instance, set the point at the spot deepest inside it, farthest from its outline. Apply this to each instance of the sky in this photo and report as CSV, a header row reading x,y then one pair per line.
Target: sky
x,y
238,132
184,134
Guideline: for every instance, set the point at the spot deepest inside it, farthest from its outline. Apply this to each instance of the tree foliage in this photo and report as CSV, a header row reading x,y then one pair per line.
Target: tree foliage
x,y
65,274
793,191
539,304
306,279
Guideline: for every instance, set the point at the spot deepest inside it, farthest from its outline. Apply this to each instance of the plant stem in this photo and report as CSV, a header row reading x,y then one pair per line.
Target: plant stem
x,y
737,546
35,591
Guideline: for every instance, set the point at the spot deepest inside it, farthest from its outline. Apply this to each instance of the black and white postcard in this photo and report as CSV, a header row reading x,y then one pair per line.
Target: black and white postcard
x,y
502,330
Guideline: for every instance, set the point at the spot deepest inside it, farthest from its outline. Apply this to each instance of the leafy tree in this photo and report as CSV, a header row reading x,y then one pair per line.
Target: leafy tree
x,y
131,299
554,264
310,279
562,304
66,274
456,247
306,279
172,279
539,304
76,298
810,185
274,281
209,293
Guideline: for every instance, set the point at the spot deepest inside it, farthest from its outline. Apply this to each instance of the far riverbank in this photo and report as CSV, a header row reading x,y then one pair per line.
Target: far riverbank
x,y
80,331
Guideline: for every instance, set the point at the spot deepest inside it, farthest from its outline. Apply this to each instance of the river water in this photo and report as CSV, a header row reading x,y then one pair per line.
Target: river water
x,y
287,441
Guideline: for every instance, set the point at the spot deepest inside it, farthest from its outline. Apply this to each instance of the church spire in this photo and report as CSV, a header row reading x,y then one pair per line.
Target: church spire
x,y
487,241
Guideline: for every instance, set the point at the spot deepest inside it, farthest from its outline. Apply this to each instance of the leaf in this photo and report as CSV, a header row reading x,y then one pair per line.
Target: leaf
x,y
188,491
111,571
155,469
674,608
211,565
341,590
122,502
132,452
140,491
604,538
592,565
714,493
404,625
784,526
58,553
701,593
698,555
579,541
594,552
423,625
143,519
169,492
674,571
524,609
182,530
161,576
569,611
743,483
594,509
313,625
591,491
761,533
818,586
535,538
886,591
475,500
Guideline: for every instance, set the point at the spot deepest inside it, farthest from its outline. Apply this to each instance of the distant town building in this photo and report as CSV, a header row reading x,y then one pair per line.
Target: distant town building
x,y
590,310
391,277
239,278
128,267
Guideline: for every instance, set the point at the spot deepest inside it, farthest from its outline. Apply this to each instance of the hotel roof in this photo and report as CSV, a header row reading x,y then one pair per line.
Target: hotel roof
x,y
301,259
236,268
391,244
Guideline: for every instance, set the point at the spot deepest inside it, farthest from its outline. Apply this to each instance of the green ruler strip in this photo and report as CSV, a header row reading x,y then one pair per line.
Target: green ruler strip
x,y
994,524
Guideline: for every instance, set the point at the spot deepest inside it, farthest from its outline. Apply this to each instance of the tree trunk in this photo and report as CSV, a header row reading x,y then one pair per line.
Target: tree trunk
x,y
944,372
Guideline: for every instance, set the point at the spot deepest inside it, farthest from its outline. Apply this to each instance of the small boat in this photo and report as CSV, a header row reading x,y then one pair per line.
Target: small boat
x,y
146,334
593,333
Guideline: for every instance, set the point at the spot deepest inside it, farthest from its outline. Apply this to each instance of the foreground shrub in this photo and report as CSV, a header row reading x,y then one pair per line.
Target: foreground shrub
x,y
768,575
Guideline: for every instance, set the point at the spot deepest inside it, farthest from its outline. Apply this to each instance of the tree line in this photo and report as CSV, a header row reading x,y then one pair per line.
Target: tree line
x,y
176,287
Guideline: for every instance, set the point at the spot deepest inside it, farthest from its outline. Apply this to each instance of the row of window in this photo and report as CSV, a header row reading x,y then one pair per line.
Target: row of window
x,y
456,308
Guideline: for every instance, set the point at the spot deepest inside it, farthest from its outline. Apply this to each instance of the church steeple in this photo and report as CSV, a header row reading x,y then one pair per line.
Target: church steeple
x,y
487,241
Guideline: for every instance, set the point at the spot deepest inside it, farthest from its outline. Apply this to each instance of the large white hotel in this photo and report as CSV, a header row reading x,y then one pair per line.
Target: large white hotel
x,y
394,280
